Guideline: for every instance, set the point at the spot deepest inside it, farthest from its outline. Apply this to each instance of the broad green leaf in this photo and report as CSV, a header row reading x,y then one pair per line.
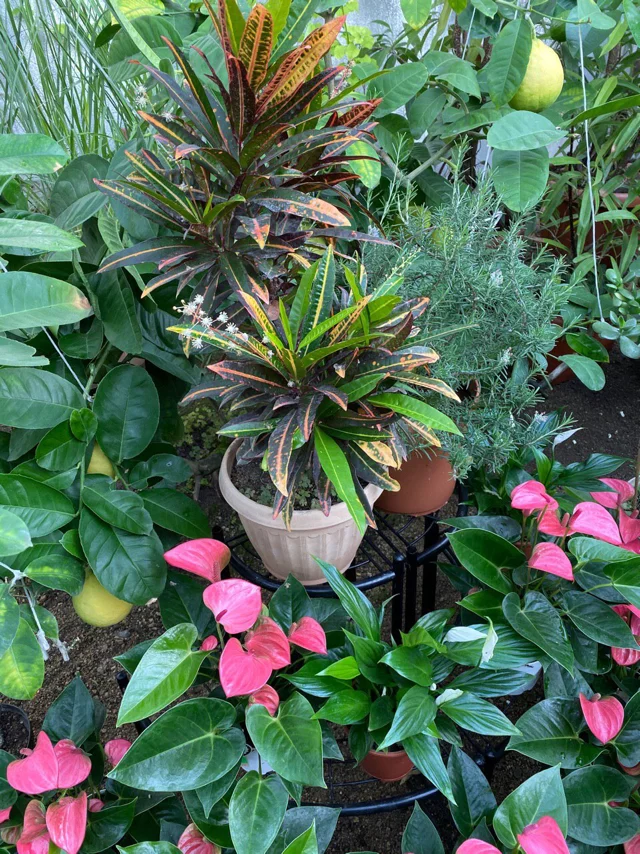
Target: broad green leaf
x,y
626,580
369,169
36,400
345,707
588,372
58,572
632,14
595,818
420,836
83,424
30,154
587,549
550,733
520,177
22,665
14,534
72,714
41,508
118,312
522,130
477,715
398,86
412,662
627,742
59,450
15,354
344,668
597,620
74,197
176,512
416,12
355,603
540,795
424,752
29,299
473,795
491,683
9,618
187,747
299,819
131,567
486,555
291,742
509,59
8,794
539,622
306,843
416,710
118,507
457,72
181,602
106,827
31,234
412,408
128,411
213,792
424,110
256,810
167,669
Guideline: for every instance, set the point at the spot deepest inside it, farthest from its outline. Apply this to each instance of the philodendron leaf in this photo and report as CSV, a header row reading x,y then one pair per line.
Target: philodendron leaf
x,y
187,747
539,622
166,670
291,742
106,827
416,710
540,795
72,714
594,805
256,810
472,792
424,751
486,556
550,733
420,836
477,715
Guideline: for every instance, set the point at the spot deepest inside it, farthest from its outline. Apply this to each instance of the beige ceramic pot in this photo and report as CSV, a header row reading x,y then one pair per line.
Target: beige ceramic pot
x,y
334,538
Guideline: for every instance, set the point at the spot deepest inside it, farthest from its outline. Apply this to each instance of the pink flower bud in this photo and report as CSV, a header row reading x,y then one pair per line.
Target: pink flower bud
x,y
116,749
604,716
209,643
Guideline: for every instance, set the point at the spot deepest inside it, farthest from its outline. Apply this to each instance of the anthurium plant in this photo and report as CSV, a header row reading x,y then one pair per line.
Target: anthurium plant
x,y
328,386
89,386
56,797
395,695
561,569
243,158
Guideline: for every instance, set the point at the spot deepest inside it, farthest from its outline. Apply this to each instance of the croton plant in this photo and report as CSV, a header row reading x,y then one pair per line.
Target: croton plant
x,y
243,160
329,386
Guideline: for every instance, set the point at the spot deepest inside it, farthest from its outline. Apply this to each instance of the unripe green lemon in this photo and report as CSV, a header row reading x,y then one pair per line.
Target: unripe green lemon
x,y
543,79
100,463
97,607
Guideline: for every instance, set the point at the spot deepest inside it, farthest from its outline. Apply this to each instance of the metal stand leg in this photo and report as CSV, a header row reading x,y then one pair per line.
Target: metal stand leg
x,y
430,568
397,603
411,595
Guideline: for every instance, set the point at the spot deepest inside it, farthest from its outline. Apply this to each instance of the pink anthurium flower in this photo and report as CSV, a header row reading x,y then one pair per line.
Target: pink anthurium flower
x,y
34,838
604,716
629,526
116,749
47,767
267,697
531,495
632,846
193,842
627,657
550,524
623,491
209,643
4,814
242,672
593,519
309,634
67,822
477,846
268,641
548,557
543,837
205,557
95,805
235,603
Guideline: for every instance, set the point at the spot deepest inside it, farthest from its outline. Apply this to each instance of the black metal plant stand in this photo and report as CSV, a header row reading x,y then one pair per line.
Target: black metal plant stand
x,y
391,554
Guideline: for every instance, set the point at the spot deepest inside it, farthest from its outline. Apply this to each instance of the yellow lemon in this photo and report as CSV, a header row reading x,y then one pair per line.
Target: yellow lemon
x,y
97,607
100,463
543,80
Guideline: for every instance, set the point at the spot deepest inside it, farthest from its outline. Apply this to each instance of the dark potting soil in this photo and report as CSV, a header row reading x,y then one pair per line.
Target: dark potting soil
x,y
256,484
15,732
610,420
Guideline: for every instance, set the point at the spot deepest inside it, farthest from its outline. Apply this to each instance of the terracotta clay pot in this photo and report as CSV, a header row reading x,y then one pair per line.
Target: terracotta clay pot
x,y
334,538
388,767
426,484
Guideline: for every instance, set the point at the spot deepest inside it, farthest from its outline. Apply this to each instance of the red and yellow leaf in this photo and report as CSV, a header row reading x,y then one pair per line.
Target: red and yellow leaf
x,y
279,451
255,45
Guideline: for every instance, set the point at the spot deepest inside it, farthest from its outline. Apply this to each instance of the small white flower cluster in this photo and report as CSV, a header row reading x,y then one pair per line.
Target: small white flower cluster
x,y
193,309
141,96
